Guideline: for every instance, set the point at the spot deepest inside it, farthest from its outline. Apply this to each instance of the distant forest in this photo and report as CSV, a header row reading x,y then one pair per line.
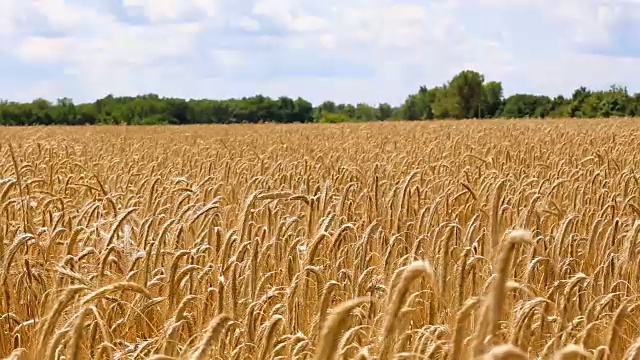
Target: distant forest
x,y
466,95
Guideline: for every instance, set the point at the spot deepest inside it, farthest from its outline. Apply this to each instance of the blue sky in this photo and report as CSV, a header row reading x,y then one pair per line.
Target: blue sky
x,y
348,51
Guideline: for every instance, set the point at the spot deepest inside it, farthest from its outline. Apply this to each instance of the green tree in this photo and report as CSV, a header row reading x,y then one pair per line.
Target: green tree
x,y
411,108
446,104
334,118
578,99
526,106
64,112
285,110
615,102
465,95
365,112
492,99
466,91
303,110
385,111
325,107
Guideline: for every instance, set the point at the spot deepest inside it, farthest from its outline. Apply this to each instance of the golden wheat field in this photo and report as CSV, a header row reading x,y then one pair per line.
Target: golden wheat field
x,y
401,240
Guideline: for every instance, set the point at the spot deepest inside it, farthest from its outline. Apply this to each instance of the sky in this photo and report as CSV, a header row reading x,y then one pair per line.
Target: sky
x,y
346,51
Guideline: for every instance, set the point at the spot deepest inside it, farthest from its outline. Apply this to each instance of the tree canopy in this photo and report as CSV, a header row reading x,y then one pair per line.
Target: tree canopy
x,y
466,95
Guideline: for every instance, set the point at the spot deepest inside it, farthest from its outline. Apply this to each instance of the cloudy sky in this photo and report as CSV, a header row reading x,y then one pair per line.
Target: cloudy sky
x,y
347,50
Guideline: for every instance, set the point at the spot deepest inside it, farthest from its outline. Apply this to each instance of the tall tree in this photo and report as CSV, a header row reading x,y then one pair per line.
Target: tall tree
x,y
466,90
446,104
304,110
410,110
365,112
492,99
385,111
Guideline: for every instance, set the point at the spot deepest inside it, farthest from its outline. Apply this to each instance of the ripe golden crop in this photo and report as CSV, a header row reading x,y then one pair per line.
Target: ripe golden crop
x,y
400,240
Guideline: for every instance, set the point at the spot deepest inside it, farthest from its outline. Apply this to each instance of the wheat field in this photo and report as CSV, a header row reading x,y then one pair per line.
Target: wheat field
x,y
402,240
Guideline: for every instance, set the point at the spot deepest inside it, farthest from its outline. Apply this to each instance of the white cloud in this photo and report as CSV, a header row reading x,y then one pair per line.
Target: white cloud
x,y
569,71
396,25
63,16
100,52
586,22
114,45
249,24
44,49
10,13
279,10
328,41
290,15
45,89
230,59
159,10
348,50
308,23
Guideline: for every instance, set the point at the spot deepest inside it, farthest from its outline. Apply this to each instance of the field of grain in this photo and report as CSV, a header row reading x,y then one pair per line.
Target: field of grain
x,y
400,240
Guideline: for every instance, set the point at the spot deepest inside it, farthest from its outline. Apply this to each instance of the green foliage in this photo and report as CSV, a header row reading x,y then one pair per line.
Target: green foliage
x,y
466,95
158,119
465,92
151,109
334,118
445,104
328,111
526,106
385,111
420,106
492,99
364,112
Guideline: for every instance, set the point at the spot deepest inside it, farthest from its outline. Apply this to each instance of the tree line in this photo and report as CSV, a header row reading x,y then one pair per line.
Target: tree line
x,y
466,95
